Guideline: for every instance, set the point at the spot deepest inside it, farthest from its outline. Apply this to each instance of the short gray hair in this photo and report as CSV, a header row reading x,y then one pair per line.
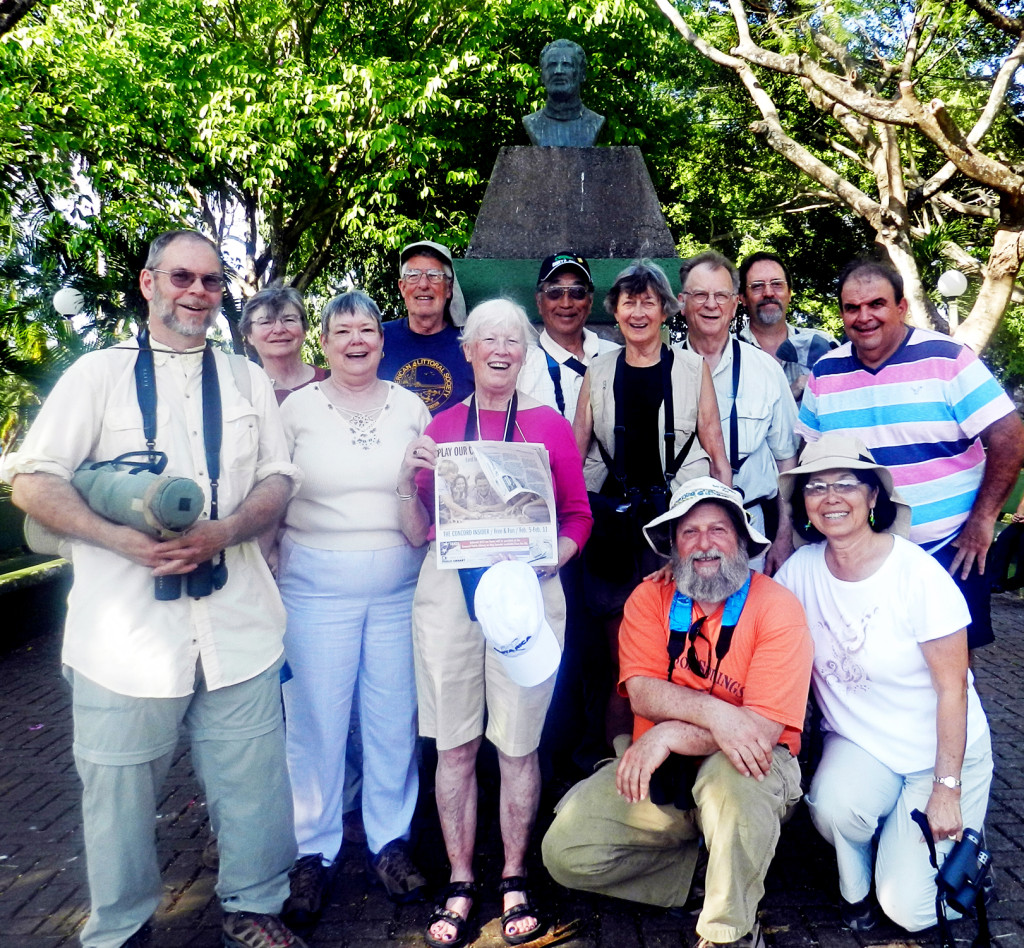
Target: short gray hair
x,y
637,278
168,237
713,259
498,313
273,299
350,303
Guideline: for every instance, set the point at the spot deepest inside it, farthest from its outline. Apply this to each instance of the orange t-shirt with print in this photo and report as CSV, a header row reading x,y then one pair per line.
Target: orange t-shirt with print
x,y
767,668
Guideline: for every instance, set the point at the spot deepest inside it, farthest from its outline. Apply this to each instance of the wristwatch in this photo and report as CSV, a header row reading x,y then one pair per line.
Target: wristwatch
x,y
951,782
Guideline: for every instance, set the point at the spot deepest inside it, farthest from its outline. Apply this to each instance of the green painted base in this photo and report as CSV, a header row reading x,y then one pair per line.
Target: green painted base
x,y
517,280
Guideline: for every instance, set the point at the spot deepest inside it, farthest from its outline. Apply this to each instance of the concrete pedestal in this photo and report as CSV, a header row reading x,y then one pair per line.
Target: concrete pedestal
x,y
598,202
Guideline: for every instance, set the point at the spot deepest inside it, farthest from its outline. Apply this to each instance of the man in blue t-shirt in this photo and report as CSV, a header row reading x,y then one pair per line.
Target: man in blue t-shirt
x,y
422,352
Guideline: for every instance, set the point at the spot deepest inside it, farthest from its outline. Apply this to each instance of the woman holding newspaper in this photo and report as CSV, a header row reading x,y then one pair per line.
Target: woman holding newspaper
x,y
457,673
348,563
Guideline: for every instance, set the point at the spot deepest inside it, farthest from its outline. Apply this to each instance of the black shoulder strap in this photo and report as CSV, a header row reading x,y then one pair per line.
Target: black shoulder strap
x,y
734,424
673,461
984,938
618,465
145,389
145,392
667,358
471,433
213,426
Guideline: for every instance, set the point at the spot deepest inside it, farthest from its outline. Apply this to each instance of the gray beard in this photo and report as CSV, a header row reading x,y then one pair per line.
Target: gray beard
x,y
770,313
176,325
731,575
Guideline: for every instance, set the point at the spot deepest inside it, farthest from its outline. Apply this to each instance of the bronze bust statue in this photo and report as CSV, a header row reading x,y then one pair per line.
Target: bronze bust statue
x,y
564,122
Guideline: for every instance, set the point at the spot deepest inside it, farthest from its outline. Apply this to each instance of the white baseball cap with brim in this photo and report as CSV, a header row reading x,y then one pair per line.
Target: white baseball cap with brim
x,y
839,452
659,531
510,609
457,304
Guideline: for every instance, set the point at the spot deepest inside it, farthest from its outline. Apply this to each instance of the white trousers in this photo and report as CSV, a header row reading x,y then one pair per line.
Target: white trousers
x,y
853,792
348,622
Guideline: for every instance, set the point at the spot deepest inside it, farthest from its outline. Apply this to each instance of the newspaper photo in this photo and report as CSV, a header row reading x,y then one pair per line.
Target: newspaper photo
x,y
493,500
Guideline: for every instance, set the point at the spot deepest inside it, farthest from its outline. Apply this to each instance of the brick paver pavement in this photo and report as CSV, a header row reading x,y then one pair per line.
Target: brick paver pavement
x,y
43,897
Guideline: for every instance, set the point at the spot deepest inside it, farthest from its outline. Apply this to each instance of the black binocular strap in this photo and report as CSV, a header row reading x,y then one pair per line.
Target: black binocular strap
x,y
984,938
213,415
472,432
673,461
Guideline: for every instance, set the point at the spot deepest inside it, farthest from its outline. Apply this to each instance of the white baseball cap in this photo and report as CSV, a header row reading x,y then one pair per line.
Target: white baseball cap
x,y
510,609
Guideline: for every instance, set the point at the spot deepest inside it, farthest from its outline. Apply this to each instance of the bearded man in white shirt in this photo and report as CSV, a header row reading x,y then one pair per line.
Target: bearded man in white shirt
x,y
209,659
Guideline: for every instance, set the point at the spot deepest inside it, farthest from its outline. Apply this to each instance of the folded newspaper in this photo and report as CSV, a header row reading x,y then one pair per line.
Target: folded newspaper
x,y
493,500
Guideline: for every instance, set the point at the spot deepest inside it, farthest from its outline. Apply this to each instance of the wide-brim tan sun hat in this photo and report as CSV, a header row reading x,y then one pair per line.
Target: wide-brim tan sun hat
x,y
839,452
659,531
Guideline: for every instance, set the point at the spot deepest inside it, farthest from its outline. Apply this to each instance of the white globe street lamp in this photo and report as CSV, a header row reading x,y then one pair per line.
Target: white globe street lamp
x,y
951,286
68,302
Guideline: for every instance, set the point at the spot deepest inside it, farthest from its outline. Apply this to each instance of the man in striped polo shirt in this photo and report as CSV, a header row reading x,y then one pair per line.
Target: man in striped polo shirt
x,y
928,409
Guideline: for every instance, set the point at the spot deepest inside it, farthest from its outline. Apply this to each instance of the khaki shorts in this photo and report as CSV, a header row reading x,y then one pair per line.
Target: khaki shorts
x,y
457,676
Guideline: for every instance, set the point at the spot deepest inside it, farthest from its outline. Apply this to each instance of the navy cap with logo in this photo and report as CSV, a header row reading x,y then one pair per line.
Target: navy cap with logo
x,y
557,261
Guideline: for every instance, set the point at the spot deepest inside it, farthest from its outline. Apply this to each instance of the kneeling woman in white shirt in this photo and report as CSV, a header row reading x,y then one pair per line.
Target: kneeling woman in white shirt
x,y
904,728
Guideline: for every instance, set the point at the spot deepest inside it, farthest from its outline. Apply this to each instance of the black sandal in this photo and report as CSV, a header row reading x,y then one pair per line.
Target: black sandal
x,y
522,910
441,913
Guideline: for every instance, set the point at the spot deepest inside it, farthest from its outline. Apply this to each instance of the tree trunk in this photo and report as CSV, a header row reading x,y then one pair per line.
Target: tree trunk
x,y
918,306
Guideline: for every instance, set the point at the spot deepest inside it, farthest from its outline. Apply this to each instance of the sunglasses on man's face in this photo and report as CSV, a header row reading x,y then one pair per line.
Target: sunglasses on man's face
x,y
183,279
575,290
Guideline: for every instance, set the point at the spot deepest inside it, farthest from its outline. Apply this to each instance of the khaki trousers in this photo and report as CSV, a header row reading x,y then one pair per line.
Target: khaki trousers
x,y
647,853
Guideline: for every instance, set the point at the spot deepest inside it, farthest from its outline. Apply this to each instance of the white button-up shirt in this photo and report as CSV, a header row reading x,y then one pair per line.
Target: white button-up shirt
x,y
766,414
535,379
117,633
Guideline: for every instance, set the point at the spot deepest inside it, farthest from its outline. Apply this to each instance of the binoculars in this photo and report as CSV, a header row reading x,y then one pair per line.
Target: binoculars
x,y
963,872
135,494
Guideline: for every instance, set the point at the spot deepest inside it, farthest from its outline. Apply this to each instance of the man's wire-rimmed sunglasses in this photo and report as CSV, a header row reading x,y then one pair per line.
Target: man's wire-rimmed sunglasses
x,y
576,291
183,279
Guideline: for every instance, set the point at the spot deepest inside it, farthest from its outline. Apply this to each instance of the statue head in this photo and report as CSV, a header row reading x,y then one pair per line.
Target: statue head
x,y
563,68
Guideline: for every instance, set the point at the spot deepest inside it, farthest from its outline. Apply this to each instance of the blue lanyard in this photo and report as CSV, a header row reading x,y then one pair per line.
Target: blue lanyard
x,y
680,623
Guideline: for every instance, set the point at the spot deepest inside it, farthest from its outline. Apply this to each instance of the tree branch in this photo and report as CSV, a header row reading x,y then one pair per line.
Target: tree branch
x,y
996,98
996,18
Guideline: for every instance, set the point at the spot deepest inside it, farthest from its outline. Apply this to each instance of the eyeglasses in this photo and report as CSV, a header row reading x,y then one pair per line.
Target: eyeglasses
x,y
700,297
433,276
289,321
576,291
759,286
183,279
842,488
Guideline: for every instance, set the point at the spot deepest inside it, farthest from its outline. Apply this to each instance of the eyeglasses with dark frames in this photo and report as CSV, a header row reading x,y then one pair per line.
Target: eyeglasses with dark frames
x,y
183,279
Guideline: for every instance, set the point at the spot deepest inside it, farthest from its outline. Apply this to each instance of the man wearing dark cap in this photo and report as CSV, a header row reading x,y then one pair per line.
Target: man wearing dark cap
x,y
422,352
553,373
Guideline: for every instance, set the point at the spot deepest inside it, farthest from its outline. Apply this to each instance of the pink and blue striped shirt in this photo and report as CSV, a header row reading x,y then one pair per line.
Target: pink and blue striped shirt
x,y
920,413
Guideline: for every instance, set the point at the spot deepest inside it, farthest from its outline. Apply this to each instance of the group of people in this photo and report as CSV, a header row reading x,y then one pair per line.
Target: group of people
x,y
707,574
